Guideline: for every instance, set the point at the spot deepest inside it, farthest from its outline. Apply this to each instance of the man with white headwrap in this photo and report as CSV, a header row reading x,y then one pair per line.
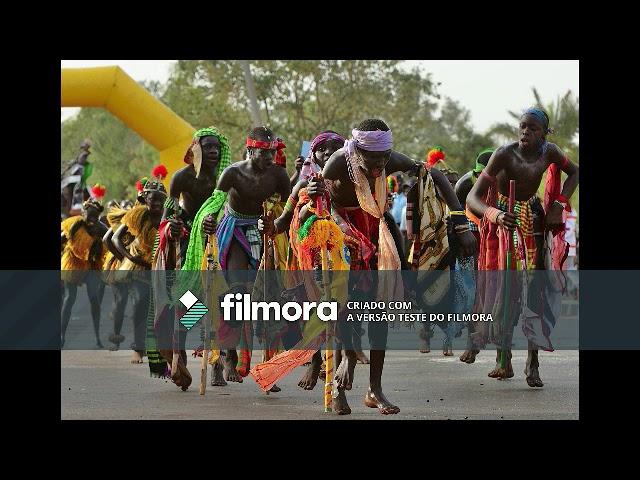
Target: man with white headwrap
x,y
357,185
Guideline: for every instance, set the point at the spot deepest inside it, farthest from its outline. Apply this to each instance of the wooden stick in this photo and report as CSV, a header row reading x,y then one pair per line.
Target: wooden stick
x,y
324,256
206,319
265,260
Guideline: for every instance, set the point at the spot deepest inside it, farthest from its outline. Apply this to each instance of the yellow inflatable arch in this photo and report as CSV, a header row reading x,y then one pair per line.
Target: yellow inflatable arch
x,y
113,89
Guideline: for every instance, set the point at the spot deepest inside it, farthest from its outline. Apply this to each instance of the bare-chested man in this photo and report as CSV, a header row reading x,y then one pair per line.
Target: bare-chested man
x,y
246,185
357,175
525,162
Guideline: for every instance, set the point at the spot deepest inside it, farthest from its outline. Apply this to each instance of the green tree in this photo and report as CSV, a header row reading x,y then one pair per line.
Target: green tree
x,y
119,156
298,99
453,131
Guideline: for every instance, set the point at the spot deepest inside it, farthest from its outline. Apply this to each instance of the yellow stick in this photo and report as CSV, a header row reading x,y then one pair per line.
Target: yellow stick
x,y
328,385
206,319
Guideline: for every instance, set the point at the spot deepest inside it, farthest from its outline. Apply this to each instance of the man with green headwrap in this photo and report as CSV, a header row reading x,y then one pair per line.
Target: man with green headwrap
x,y
206,158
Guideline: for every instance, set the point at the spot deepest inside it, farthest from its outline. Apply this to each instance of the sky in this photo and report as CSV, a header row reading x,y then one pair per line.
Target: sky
x,y
487,88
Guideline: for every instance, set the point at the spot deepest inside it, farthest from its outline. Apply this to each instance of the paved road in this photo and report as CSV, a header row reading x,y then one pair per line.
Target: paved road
x,y
104,385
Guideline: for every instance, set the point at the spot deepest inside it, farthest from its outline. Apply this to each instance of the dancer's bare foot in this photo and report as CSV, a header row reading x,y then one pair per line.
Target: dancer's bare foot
x,y
447,351
531,369
217,378
376,399
361,357
533,377
229,371
136,357
310,378
425,345
345,371
469,356
182,377
499,372
116,340
340,405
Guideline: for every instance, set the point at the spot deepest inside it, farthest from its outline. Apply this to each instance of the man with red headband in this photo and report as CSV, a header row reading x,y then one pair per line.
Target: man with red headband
x,y
535,228
246,185
358,189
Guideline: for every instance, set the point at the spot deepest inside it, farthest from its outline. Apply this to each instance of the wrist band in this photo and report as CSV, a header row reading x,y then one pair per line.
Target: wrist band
x,y
458,212
459,219
491,214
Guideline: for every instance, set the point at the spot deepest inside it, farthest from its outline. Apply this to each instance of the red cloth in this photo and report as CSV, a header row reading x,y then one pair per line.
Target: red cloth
x,y
364,227
552,189
281,158
260,144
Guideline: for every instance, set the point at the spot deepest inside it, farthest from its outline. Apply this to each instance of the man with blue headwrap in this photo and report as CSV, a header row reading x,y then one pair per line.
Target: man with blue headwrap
x,y
535,227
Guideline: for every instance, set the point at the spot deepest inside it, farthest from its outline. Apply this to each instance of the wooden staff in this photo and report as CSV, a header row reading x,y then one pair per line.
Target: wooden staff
x,y
324,256
207,319
265,259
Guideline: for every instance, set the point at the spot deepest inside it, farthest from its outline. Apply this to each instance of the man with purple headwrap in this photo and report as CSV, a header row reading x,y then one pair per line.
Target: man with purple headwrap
x,y
322,147
357,185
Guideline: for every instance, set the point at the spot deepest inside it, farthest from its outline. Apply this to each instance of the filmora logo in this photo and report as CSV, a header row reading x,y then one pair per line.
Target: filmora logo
x,y
195,310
